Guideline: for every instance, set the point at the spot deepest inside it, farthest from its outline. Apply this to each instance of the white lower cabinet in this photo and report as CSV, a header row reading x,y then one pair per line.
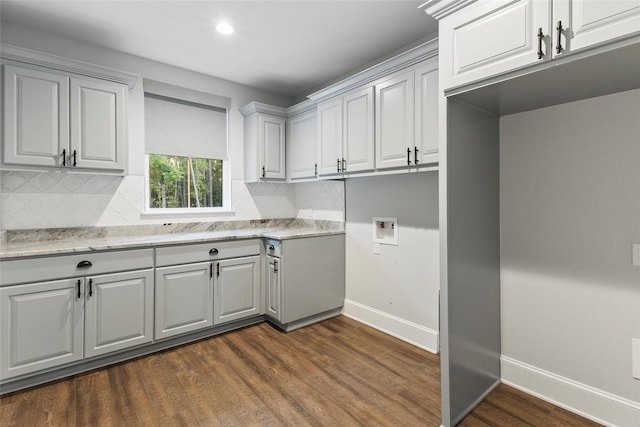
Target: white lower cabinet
x,y
237,289
305,280
184,299
42,326
273,287
211,283
118,311
48,324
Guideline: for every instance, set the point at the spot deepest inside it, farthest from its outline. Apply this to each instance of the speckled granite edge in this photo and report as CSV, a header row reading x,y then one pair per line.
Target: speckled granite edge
x,y
32,243
81,233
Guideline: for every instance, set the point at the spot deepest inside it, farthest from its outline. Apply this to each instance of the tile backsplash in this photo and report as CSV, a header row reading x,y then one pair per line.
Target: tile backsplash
x,y
46,199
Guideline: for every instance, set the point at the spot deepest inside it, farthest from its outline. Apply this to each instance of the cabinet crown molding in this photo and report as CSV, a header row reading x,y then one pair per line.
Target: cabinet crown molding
x,y
439,9
301,107
403,60
27,56
259,107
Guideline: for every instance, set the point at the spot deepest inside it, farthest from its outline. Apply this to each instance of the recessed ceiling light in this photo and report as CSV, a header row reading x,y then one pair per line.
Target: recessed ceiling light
x,y
224,28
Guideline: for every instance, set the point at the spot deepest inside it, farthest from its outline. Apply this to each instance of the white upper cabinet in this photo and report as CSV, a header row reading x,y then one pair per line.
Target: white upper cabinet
x,y
346,133
488,38
492,37
302,146
56,120
358,127
587,23
36,117
264,142
97,125
407,118
330,137
271,144
426,112
394,121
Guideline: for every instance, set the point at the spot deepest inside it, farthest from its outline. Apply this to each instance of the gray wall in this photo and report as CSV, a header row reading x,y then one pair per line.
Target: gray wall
x,y
396,290
570,210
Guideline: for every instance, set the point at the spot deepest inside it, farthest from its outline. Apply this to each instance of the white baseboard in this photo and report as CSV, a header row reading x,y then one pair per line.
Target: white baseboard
x,y
589,402
415,334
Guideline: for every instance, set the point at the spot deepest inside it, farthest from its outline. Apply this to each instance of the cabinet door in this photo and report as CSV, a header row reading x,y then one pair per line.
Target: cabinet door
x,y
301,143
41,326
330,137
36,117
237,289
274,287
426,113
358,126
184,299
97,131
492,37
271,137
394,121
118,311
586,23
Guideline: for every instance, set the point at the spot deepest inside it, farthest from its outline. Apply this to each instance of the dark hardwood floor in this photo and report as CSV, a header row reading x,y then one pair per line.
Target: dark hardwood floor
x,y
334,373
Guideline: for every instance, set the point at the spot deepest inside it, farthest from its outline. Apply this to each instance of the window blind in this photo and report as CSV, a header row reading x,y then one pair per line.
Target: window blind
x,y
184,122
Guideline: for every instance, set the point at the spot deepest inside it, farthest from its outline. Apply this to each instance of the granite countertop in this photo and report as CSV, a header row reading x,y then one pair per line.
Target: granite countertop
x,y
67,241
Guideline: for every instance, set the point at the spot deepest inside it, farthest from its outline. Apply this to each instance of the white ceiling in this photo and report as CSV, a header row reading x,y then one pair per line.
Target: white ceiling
x,y
289,47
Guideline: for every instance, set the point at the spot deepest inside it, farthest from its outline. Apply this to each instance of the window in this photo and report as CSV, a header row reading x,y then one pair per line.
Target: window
x,y
184,182
186,150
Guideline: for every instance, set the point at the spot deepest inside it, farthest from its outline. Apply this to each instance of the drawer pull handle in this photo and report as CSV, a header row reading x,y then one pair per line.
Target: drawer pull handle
x,y
408,156
84,264
75,163
415,155
338,162
79,294
64,157
213,251
90,287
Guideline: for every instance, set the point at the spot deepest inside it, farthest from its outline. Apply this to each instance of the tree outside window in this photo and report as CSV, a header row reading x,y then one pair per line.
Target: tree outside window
x,y
185,182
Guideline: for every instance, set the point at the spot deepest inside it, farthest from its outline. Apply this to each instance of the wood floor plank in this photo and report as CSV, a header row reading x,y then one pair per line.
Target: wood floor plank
x,y
335,373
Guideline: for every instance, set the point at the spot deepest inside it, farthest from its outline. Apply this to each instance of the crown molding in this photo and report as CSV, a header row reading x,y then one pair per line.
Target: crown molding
x,y
300,108
404,60
439,9
259,107
27,56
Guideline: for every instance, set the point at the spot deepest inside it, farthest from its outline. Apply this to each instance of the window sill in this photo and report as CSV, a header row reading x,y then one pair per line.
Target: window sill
x,y
185,214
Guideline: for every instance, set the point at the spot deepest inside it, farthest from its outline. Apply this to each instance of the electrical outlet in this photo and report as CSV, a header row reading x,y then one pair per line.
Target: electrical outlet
x,y
635,357
635,249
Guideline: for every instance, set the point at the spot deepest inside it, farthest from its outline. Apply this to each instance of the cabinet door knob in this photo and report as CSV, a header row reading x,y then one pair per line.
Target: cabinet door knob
x,y
84,264
64,157
408,156
213,251
275,266
74,158
415,155
338,165
78,285
264,172
344,165
271,247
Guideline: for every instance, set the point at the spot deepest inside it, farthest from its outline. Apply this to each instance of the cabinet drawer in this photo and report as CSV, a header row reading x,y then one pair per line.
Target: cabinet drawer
x,y
57,267
185,254
274,248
